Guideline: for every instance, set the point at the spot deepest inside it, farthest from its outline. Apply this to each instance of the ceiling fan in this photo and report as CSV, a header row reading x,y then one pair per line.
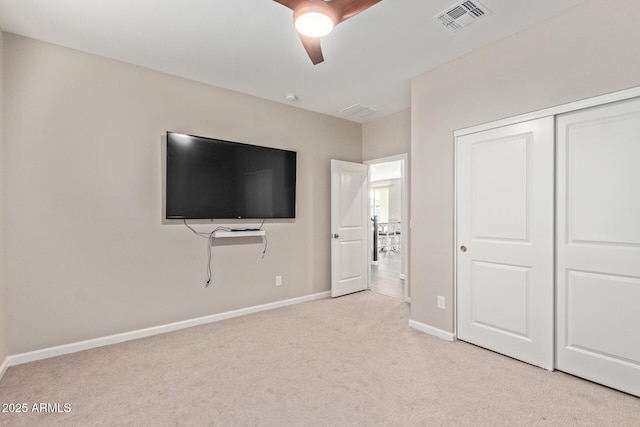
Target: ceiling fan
x,y
316,18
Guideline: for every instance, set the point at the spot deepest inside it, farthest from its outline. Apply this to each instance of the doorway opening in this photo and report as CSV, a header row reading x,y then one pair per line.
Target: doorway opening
x,y
388,226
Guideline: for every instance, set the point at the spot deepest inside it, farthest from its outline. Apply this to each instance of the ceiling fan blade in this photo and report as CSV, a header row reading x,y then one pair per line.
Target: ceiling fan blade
x,y
341,11
312,46
349,8
291,4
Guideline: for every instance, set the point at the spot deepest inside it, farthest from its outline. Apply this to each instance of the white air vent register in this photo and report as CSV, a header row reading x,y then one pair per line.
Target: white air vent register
x,y
359,110
461,14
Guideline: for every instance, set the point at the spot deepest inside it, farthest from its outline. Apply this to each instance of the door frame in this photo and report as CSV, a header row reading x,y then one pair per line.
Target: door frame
x,y
404,217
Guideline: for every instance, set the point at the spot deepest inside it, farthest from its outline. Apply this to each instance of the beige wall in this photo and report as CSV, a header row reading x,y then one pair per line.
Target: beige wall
x,y
88,254
387,136
573,56
3,305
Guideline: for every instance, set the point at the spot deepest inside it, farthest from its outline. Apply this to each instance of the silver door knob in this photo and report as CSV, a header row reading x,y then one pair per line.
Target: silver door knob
x,y
463,248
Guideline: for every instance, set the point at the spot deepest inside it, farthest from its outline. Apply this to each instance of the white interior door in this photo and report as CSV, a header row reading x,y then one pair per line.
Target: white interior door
x,y
598,245
505,284
349,227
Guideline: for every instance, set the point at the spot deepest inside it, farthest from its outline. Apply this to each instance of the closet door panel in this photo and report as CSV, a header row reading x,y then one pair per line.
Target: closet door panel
x,y
598,244
505,240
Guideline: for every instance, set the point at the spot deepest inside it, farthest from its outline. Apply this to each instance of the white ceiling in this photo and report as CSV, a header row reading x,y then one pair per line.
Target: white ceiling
x,y
251,46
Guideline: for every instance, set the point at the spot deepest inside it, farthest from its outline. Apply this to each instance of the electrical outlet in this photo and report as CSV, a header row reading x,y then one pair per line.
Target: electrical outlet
x,y
441,302
278,280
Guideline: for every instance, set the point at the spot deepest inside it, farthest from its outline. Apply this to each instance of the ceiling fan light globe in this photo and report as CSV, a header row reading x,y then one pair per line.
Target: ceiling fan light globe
x,y
314,24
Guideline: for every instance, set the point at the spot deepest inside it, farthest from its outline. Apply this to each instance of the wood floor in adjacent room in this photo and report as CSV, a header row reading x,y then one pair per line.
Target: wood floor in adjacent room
x,y
385,276
349,361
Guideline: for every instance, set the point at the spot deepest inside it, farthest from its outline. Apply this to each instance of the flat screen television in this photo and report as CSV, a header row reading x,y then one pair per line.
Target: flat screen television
x,y
215,179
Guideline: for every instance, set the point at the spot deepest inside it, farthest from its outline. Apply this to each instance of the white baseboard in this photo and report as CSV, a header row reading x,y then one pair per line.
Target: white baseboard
x,y
46,353
449,336
4,366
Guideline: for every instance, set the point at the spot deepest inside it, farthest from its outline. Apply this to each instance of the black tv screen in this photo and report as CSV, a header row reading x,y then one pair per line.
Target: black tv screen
x,y
215,179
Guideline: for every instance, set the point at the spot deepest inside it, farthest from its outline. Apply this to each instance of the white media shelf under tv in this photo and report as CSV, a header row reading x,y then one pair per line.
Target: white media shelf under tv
x,y
250,233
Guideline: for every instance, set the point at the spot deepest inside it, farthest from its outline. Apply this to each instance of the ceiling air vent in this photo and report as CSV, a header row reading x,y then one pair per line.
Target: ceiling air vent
x,y
461,14
358,110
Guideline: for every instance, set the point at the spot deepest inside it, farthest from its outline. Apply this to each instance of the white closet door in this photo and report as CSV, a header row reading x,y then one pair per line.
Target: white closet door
x,y
598,245
505,240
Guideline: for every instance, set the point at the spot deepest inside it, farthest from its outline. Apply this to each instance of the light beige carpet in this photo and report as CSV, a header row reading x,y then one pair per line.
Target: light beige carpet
x,y
351,361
